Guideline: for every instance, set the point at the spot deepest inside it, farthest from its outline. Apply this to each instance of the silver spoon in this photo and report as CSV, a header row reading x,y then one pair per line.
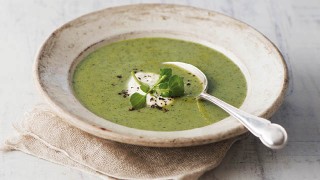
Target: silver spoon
x,y
272,135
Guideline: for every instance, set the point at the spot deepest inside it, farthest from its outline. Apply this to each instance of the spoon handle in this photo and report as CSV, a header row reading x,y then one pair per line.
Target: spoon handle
x,y
272,135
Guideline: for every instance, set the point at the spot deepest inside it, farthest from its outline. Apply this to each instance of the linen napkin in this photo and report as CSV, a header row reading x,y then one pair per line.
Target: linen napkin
x,y
45,135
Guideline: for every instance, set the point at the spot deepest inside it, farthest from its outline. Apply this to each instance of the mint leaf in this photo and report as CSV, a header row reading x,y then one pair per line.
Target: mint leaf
x,y
138,101
176,86
143,86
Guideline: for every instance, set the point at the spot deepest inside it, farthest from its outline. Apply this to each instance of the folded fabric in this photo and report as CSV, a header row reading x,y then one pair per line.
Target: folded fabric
x,y
45,135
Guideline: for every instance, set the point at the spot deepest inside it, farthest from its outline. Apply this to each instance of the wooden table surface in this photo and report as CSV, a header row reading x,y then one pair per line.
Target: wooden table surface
x,y
293,25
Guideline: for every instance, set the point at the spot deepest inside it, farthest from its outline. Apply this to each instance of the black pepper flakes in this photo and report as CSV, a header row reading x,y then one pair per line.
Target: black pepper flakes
x,y
158,107
124,93
119,76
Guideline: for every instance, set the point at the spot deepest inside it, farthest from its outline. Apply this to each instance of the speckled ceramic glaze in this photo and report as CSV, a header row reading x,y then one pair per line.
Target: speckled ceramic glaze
x,y
259,60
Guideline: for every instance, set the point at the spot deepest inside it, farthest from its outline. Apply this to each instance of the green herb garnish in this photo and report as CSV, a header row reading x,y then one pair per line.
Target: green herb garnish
x,y
168,85
138,100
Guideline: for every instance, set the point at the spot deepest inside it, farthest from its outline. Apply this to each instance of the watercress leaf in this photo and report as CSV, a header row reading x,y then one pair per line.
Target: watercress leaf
x,y
166,72
176,86
138,101
163,85
165,93
145,88
163,89
161,79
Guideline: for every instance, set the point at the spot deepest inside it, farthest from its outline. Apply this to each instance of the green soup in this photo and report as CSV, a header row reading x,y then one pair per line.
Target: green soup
x,y
100,76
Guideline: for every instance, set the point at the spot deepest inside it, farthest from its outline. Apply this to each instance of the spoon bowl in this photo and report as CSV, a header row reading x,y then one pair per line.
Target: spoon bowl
x,y
272,135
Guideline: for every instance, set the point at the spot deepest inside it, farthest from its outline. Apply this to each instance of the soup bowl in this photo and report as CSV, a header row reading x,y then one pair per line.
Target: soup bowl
x,y
259,60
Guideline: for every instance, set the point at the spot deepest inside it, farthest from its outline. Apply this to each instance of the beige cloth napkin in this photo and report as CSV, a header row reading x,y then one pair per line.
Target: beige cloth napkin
x,y
45,135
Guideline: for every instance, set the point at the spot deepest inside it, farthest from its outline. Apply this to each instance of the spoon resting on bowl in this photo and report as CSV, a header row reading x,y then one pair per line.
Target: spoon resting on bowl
x,y
272,135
